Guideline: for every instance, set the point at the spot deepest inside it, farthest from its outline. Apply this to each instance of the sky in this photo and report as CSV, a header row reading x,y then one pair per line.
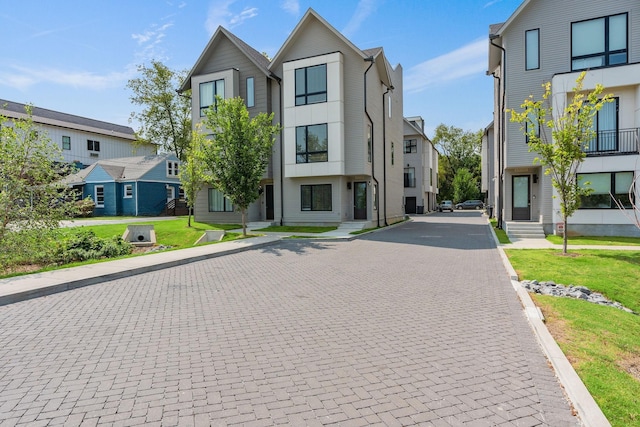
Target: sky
x,y
77,56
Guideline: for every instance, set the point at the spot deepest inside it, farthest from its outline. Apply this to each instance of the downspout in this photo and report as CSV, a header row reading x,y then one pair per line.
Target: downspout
x,y
503,82
373,163
384,153
279,80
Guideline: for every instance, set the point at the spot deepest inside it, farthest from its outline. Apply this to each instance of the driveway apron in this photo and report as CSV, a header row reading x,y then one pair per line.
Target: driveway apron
x,y
414,325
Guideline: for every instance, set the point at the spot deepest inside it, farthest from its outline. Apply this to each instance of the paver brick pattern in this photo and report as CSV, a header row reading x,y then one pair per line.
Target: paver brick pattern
x,y
415,325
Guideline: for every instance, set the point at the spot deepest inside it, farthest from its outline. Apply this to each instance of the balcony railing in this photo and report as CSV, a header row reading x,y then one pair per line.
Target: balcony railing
x,y
611,142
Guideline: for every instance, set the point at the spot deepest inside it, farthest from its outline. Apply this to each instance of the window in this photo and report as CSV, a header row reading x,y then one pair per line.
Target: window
x,y
409,177
208,93
605,124
311,144
393,154
600,42
389,105
532,122
93,145
98,191
369,143
66,143
172,168
315,197
251,94
431,176
218,202
410,146
128,191
181,193
532,49
311,84
603,185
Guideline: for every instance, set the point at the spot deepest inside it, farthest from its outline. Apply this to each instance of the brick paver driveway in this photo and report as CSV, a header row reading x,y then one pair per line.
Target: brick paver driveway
x,y
415,325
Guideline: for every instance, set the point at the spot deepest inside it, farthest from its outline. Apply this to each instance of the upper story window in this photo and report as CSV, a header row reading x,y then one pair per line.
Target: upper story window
x,y
172,168
66,143
410,146
311,144
599,42
251,93
93,145
208,93
311,84
532,49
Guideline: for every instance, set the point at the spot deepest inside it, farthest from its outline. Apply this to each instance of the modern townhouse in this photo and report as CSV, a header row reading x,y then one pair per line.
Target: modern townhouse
x,y
552,41
420,168
82,141
338,158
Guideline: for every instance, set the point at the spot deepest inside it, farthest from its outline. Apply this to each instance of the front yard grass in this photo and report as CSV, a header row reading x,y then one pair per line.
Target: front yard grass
x,y
500,233
596,240
600,342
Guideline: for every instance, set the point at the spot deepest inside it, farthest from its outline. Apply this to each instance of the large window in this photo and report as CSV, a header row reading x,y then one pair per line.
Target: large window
x,y
311,84
599,42
208,93
218,202
603,185
66,143
532,49
409,177
315,197
99,196
311,144
410,146
605,124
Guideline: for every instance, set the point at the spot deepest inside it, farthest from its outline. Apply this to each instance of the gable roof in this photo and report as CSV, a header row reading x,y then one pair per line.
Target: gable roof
x,y
55,118
310,15
254,56
498,29
122,169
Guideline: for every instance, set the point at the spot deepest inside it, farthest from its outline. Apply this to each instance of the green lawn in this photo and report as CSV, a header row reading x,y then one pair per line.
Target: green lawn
x,y
597,240
500,233
600,342
297,229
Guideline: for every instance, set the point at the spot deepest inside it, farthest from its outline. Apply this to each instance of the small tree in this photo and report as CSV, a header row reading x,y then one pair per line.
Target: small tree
x,y
238,152
32,199
193,174
166,115
563,150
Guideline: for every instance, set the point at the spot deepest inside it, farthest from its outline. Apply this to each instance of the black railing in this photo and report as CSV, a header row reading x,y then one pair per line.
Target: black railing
x,y
612,142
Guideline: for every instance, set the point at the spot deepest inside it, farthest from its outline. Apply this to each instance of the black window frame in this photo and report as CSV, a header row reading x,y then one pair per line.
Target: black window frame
x,y
606,196
93,145
311,206
304,155
66,142
412,145
526,49
607,53
203,108
302,94
227,206
409,177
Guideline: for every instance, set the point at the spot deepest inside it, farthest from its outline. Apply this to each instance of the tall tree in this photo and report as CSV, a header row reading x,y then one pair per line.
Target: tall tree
x,y
561,149
193,174
32,198
238,152
465,185
166,115
459,149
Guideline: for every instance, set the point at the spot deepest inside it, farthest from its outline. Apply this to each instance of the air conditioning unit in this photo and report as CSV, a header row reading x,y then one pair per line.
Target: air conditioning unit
x,y
93,154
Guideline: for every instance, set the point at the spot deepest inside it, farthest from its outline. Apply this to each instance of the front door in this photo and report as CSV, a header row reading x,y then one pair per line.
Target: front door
x,y
360,200
269,200
410,205
521,200
171,193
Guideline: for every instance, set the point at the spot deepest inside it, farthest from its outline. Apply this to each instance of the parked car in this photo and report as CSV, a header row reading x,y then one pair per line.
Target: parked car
x,y
445,205
470,204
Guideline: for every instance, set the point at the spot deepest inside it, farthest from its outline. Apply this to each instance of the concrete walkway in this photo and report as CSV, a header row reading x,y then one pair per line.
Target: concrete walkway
x,y
388,245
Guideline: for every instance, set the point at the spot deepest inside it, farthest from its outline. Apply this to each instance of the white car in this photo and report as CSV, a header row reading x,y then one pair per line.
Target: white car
x,y
445,205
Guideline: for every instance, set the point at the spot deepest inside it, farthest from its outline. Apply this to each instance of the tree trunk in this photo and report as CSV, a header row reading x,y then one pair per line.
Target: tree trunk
x,y
244,223
564,235
189,218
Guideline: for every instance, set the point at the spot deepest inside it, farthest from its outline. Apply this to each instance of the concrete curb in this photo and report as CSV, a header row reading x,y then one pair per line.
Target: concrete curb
x,y
43,284
588,411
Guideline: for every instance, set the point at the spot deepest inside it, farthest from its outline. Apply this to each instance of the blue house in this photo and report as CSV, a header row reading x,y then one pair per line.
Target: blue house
x,y
130,186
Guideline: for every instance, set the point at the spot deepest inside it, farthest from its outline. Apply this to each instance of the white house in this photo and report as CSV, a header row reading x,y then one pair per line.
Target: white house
x,y
554,41
420,168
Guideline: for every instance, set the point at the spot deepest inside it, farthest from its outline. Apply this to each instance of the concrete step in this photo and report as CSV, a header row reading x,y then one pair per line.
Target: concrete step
x,y
352,226
253,225
524,230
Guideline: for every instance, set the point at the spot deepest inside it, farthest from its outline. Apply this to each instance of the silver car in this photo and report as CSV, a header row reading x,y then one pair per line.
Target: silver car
x,y
445,205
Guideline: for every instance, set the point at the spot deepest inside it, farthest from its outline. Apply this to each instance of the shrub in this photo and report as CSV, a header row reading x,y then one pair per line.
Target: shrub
x,y
84,245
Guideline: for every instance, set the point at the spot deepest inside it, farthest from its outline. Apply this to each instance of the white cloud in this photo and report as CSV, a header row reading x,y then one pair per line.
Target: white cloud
x,y
363,10
150,40
466,61
25,77
220,14
491,3
291,6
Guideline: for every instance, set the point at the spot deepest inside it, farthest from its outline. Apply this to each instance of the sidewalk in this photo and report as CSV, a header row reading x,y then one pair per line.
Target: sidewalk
x,y
545,244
